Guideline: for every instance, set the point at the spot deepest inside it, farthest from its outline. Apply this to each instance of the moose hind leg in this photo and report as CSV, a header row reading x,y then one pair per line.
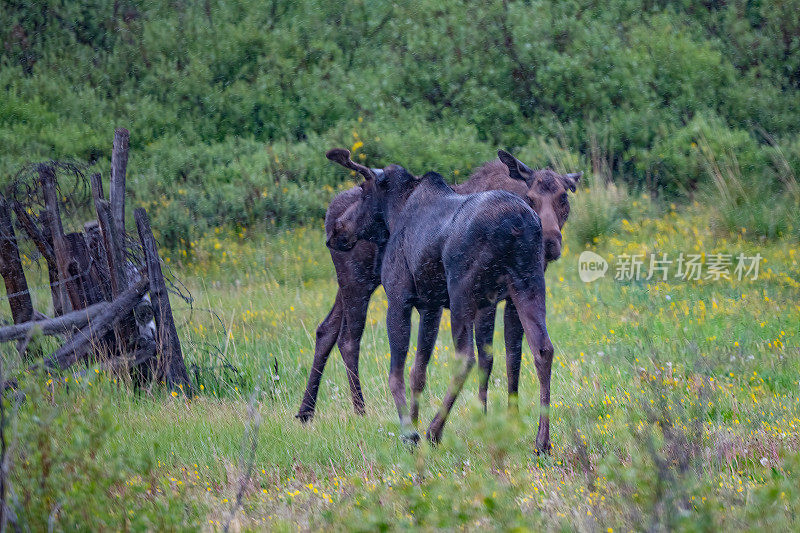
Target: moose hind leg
x,y
462,327
327,333
428,331
531,309
398,324
484,334
350,344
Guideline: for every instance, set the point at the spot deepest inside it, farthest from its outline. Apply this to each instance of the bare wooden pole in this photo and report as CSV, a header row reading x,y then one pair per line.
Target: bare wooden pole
x,y
115,258
82,343
57,289
99,260
11,268
53,326
173,367
45,248
80,269
97,187
63,257
29,225
119,165
114,252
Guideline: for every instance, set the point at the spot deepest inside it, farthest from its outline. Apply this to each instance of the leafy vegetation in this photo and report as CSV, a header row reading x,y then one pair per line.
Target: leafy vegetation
x,y
232,104
69,471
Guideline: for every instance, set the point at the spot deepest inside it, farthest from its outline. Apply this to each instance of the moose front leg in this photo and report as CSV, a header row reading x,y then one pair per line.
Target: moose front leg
x,y
428,330
398,324
484,333
513,332
327,333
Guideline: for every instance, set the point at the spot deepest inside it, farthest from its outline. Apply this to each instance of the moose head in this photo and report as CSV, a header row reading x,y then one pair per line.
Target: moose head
x,y
366,219
547,195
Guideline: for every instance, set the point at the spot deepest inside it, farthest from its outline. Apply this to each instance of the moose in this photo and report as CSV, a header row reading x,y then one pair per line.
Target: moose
x,y
358,275
465,252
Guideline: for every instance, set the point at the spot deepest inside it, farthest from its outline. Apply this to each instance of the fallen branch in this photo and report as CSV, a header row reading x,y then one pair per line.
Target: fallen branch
x,y
53,326
82,343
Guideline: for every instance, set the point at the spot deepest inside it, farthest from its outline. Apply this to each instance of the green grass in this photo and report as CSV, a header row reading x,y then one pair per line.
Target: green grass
x,y
675,405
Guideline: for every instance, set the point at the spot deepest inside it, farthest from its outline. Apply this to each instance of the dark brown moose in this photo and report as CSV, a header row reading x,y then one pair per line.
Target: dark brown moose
x,y
465,252
358,275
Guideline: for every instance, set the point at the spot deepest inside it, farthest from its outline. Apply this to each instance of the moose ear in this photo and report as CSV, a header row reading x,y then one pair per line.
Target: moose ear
x,y
342,157
571,180
516,168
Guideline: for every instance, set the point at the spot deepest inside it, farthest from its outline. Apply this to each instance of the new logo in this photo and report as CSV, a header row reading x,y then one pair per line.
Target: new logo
x,y
591,266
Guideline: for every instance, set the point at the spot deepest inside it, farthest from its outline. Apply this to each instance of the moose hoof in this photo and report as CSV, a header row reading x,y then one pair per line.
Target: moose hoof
x,y
434,433
543,449
305,416
410,438
434,437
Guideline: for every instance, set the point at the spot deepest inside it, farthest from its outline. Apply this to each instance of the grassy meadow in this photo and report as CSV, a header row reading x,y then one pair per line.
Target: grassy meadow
x,y
675,405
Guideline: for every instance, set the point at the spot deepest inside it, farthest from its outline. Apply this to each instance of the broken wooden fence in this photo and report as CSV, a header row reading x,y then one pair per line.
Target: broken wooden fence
x,y
99,293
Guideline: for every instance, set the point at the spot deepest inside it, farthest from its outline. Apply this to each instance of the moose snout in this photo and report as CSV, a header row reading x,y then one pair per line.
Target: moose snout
x,y
552,247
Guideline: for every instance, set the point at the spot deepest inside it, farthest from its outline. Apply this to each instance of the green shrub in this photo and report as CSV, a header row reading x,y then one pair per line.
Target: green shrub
x,y
678,167
597,209
65,472
212,91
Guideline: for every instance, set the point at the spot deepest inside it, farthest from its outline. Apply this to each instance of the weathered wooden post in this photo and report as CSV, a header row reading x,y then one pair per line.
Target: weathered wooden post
x,y
96,182
80,269
104,225
63,257
99,261
11,268
172,366
57,289
114,252
38,237
119,165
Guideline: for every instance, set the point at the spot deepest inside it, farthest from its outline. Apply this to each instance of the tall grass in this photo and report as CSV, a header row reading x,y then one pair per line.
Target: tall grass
x,y
597,209
756,206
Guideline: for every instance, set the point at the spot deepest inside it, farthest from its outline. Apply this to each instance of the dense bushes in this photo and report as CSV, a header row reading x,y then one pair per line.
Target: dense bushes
x,y
234,103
